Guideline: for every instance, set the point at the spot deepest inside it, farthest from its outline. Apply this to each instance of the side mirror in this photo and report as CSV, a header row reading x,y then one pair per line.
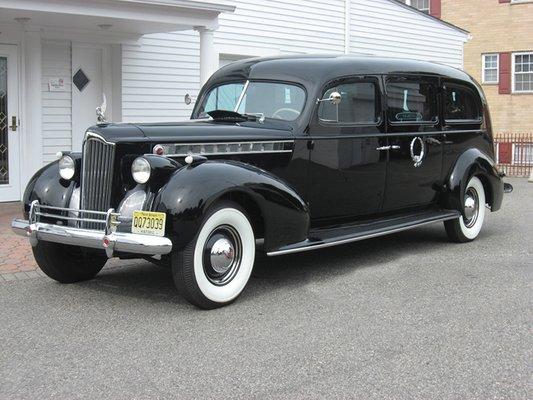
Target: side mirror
x,y
188,99
334,98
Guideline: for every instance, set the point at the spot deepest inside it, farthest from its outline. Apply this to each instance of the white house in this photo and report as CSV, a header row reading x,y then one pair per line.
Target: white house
x,y
58,58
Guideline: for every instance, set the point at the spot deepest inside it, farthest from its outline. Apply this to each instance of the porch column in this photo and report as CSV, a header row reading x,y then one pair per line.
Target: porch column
x,y
32,145
208,55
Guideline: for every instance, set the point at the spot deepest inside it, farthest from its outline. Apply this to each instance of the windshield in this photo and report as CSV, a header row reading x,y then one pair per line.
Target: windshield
x,y
263,99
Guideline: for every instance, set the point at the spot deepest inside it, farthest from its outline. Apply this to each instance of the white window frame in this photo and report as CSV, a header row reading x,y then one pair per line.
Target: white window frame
x,y
497,81
409,3
513,75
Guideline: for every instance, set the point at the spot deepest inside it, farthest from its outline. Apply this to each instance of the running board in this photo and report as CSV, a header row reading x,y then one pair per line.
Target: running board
x,y
326,237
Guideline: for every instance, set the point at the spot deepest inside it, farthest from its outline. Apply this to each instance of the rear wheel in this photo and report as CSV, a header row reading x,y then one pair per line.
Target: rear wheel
x,y
467,227
213,269
68,264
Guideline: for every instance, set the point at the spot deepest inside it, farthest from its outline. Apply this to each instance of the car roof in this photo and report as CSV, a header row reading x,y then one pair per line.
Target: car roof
x,y
321,68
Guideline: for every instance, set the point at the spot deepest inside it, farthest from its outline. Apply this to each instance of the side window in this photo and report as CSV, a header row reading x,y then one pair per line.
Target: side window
x,y
411,100
460,103
359,104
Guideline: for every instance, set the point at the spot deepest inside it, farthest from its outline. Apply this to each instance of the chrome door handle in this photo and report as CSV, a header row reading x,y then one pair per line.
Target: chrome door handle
x,y
395,147
383,148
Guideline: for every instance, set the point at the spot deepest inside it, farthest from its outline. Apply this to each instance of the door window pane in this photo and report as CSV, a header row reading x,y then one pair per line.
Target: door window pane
x,y
358,104
460,103
4,159
411,101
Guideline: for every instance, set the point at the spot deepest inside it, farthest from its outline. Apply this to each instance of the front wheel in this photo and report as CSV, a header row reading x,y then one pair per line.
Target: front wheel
x,y
68,264
467,227
213,269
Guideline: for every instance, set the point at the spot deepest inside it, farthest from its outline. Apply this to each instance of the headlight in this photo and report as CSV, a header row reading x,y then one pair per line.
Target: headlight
x,y
140,170
67,167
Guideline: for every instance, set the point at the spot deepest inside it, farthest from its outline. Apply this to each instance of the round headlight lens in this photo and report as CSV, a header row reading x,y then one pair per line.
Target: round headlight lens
x,y
67,167
140,170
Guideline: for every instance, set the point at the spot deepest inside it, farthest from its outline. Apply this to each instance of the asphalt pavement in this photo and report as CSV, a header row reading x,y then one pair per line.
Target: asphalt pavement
x,y
409,316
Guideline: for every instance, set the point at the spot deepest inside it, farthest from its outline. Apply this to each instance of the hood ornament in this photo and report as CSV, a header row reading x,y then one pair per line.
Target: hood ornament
x,y
100,111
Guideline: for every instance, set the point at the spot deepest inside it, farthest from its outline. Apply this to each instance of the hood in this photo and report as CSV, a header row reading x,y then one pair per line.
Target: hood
x,y
193,131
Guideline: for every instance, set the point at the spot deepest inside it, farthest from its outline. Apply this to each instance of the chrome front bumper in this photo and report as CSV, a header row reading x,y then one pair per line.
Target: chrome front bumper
x,y
107,239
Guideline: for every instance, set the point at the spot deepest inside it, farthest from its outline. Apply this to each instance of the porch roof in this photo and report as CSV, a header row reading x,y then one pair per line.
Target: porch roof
x,y
111,21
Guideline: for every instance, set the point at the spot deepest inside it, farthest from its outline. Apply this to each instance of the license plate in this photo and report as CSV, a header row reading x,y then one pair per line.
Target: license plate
x,y
148,223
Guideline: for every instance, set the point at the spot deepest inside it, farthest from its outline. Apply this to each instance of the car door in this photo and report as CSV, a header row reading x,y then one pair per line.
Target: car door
x,y
414,174
346,169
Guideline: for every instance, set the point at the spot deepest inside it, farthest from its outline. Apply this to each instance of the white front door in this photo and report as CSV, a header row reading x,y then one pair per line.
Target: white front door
x,y
9,130
91,78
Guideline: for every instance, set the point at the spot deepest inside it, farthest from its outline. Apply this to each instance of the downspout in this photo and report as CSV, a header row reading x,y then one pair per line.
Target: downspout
x,y
347,8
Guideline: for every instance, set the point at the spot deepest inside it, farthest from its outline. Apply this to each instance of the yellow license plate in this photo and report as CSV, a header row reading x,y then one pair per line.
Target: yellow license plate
x,y
148,223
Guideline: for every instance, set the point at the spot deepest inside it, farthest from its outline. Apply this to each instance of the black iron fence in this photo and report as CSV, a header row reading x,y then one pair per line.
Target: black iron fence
x,y
514,153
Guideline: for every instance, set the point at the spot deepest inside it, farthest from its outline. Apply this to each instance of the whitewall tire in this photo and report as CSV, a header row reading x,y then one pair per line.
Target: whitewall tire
x,y
467,227
215,267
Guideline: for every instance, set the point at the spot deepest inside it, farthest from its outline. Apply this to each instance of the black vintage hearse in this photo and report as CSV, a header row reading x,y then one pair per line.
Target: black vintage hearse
x,y
303,152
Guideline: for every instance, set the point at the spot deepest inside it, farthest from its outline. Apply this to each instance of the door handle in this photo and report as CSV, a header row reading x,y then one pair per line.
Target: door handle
x,y
395,147
14,124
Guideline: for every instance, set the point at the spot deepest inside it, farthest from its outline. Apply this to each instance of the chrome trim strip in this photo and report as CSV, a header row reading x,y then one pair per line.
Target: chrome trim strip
x,y
278,146
91,134
358,238
119,241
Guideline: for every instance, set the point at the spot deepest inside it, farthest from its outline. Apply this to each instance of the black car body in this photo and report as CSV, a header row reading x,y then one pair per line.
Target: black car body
x,y
312,150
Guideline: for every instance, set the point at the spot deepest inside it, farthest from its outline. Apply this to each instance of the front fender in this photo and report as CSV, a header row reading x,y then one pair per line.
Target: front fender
x,y
48,188
193,189
474,162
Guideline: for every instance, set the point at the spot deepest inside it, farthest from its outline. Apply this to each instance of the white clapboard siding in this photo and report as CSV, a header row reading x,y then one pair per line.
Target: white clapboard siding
x,y
56,106
159,72
384,28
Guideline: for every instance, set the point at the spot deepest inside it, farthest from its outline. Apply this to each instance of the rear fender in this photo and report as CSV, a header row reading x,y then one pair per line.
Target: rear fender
x,y
474,162
193,189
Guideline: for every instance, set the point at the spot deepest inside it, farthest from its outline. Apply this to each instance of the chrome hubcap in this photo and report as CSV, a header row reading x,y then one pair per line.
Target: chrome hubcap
x,y
471,207
222,255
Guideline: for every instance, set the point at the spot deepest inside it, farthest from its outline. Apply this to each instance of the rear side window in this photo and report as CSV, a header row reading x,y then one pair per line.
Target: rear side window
x,y
359,104
411,101
460,103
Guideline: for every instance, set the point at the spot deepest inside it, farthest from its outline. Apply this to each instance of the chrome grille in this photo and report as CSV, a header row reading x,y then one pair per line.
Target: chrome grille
x,y
96,175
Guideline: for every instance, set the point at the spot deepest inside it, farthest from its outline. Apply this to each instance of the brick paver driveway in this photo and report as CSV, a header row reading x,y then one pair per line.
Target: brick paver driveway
x,y
16,258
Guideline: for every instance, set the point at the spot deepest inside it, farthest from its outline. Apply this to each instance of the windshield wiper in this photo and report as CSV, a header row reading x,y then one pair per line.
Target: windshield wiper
x,y
231,116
